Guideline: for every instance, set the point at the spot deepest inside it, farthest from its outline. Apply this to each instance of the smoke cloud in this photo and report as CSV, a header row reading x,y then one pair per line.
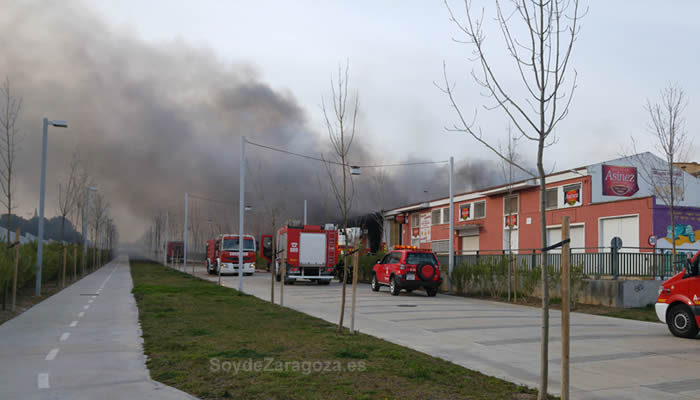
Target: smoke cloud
x,y
155,120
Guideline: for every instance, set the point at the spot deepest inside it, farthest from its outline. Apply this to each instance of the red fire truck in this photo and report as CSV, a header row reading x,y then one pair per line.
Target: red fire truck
x,y
678,304
210,256
308,252
175,251
226,249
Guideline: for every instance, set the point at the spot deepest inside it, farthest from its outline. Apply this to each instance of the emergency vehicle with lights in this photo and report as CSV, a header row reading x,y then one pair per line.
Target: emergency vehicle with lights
x,y
678,304
407,268
307,252
226,251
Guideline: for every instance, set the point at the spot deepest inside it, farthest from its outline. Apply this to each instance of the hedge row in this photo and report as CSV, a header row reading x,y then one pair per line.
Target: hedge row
x,y
51,266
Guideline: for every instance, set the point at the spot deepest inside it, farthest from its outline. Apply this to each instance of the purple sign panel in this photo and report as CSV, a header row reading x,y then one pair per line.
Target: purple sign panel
x,y
687,232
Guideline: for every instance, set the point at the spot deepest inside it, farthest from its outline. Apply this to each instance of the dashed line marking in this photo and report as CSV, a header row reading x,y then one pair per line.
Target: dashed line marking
x,y
52,354
81,314
65,336
86,307
90,301
73,324
42,380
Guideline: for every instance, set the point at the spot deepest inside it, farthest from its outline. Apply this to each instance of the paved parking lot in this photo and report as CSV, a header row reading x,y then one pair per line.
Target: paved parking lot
x,y
610,358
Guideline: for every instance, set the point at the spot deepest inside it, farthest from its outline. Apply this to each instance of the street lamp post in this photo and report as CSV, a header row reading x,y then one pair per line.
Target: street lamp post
x,y
39,250
184,242
85,224
241,215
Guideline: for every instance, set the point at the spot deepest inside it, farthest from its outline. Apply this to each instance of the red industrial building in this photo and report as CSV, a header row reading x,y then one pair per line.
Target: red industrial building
x,y
604,200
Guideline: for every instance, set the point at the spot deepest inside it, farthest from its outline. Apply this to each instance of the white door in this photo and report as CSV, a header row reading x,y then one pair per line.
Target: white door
x,y
576,232
470,244
510,240
627,228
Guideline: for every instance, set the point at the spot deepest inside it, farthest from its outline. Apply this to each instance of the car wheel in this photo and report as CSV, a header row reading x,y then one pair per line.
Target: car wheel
x,y
681,321
375,284
395,287
431,291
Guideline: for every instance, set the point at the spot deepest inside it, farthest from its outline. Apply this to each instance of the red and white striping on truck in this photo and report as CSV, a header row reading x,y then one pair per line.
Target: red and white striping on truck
x,y
308,252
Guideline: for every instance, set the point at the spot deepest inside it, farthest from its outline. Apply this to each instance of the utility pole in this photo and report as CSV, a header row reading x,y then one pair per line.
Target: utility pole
x,y
184,245
451,256
305,213
355,264
85,226
165,247
241,215
565,282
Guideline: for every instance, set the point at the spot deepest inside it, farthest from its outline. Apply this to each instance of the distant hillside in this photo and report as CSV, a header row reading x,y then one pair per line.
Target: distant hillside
x,y
52,227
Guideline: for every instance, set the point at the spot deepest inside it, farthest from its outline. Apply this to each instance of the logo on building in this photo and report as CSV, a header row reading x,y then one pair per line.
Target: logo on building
x,y
464,212
619,181
573,196
511,221
416,232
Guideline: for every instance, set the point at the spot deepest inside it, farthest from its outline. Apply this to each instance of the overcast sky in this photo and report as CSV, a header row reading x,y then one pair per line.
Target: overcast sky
x,y
626,52
158,91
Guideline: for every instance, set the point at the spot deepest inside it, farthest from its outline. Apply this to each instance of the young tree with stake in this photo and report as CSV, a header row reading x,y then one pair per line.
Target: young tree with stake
x,y
669,138
541,55
340,123
10,108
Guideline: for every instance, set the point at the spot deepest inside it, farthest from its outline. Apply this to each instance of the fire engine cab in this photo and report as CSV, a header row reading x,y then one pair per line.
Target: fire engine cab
x,y
678,304
226,250
307,252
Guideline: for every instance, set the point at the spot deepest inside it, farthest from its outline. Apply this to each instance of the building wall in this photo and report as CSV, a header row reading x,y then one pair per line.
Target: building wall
x,y
614,188
491,229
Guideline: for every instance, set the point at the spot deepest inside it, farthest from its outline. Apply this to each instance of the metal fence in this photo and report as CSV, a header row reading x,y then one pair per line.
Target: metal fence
x,y
606,263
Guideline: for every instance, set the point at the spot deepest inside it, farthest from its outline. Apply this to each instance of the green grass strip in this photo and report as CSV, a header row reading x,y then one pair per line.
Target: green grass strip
x,y
216,343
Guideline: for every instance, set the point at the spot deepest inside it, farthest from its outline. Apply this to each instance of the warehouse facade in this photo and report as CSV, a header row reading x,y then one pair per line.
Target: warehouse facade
x,y
616,198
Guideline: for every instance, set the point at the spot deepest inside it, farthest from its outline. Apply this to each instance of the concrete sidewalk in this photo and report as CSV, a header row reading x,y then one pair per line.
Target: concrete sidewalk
x,y
82,343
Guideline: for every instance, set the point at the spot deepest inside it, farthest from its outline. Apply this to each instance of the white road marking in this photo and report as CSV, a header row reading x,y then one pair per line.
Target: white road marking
x,y
90,301
73,324
81,314
52,354
86,307
42,380
65,336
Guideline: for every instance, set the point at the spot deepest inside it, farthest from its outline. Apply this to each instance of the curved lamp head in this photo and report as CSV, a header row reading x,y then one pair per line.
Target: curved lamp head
x,y
59,123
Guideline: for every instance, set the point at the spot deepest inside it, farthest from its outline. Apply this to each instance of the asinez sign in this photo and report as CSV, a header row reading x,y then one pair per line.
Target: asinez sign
x,y
619,181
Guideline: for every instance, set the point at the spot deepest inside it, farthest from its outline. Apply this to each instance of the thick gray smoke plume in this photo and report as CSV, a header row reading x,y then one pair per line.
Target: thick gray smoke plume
x,y
153,121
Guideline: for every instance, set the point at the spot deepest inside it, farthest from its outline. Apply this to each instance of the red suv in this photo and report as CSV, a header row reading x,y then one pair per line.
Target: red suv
x,y
409,268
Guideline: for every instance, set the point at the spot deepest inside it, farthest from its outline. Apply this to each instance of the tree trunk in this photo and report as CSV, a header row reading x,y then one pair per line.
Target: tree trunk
x,y
345,231
544,352
673,218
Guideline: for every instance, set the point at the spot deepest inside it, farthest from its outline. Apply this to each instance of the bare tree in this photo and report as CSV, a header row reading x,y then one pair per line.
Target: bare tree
x,y
10,108
69,191
340,124
99,211
669,138
509,150
541,58
378,183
